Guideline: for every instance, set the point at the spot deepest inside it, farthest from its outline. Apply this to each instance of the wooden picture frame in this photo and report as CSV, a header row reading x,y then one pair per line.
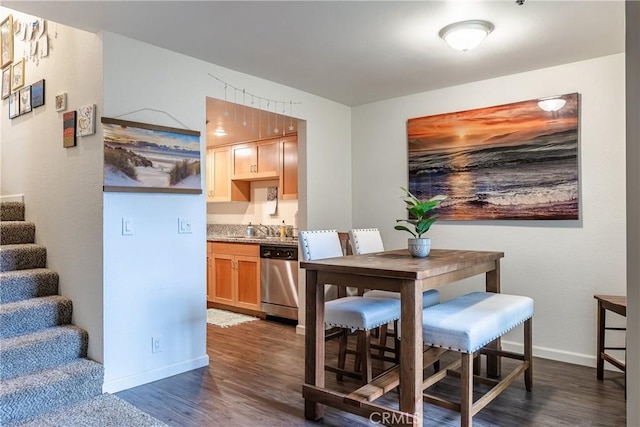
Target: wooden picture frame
x,y
25,100
14,105
6,41
141,157
17,75
6,82
37,94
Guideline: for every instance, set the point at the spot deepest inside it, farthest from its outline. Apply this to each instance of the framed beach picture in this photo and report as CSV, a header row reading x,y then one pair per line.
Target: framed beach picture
x,y
6,41
25,100
141,157
6,82
515,161
37,94
69,129
14,105
17,75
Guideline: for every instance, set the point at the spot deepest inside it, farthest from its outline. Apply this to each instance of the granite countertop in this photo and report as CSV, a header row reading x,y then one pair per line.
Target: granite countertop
x,y
261,240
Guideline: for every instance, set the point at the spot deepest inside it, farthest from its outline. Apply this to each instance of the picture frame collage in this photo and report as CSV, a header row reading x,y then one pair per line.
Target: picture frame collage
x,y
22,99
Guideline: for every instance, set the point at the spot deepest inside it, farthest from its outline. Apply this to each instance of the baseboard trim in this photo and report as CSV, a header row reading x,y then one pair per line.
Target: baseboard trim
x,y
12,198
300,329
553,354
126,383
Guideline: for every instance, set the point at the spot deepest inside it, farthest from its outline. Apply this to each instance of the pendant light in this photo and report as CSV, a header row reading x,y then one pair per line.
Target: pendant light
x,y
553,103
466,35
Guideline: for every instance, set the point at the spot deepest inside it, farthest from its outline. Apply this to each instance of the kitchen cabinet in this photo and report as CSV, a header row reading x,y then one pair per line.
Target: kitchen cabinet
x,y
220,187
234,278
256,160
289,168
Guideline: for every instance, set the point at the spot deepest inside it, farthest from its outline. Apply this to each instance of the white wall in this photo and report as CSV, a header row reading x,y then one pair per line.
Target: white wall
x,y
561,264
633,211
155,280
62,187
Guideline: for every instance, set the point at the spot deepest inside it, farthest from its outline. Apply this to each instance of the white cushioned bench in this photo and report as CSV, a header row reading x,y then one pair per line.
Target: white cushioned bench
x,y
468,323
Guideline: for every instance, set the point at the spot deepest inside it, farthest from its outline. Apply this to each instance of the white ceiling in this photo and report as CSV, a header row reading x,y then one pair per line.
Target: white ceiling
x,y
356,52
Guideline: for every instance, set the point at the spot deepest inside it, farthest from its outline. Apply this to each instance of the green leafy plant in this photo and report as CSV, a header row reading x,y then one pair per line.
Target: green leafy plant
x,y
421,216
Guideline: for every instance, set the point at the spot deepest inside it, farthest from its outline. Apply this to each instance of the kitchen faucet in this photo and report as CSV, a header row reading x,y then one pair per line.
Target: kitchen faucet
x,y
265,229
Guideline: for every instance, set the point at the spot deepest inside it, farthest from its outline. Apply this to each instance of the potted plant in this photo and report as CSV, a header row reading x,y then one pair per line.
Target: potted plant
x,y
421,218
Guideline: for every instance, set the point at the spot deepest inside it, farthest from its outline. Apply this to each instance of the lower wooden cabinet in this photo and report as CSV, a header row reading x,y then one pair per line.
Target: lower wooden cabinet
x,y
234,274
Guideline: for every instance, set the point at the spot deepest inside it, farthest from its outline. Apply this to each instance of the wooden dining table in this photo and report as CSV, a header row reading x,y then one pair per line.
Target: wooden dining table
x,y
390,271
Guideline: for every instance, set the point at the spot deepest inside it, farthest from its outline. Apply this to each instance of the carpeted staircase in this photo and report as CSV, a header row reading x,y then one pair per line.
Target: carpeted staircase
x,y
43,364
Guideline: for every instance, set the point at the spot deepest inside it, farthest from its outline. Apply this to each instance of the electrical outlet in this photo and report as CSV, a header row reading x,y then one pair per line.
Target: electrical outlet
x,y
156,344
184,226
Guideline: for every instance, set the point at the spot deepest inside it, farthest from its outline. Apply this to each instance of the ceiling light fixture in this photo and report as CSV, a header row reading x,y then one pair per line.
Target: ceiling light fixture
x,y
466,35
220,131
553,103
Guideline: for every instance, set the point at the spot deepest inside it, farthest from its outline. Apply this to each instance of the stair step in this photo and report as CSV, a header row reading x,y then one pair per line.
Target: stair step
x,y
22,257
11,211
26,354
17,232
24,284
31,395
24,317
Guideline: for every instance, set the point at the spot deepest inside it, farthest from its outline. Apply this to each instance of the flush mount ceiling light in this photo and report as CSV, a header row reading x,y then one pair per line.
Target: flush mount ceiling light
x,y
466,35
220,131
553,103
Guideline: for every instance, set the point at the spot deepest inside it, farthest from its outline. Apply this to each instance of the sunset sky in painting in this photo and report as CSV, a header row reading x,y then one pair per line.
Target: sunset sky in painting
x,y
507,124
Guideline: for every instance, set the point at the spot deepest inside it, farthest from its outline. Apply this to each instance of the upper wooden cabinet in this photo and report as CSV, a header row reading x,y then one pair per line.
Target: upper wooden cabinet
x,y
289,168
256,160
220,187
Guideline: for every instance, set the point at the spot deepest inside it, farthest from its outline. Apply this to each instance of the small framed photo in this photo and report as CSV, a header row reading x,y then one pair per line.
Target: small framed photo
x,y
37,94
61,102
14,105
86,120
6,41
25,100
69,129
6,82
17,75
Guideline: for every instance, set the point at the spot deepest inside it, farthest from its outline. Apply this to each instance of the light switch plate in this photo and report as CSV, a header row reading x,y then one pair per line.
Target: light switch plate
x,y
127,226
184,226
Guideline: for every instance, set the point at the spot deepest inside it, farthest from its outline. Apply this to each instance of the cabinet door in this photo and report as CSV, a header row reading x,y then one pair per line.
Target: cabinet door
x,y
248,282
268,159
209,272
223,278
220,187
243,160
289,172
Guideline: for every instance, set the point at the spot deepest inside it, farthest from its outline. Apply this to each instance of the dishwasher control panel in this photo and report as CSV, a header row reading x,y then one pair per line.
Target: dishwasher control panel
x,y
279,252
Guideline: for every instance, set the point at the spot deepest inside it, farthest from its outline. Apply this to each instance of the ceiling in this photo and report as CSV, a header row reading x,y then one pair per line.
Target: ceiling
x,y
356,52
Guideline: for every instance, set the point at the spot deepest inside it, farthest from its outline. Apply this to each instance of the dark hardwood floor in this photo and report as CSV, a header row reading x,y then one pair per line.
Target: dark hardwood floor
x,y
256,371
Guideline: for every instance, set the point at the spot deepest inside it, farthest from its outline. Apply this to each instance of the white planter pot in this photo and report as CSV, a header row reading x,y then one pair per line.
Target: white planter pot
x,y
419,248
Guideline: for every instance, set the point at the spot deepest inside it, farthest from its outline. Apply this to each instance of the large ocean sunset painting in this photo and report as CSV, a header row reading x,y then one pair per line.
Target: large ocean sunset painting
x,y
513,161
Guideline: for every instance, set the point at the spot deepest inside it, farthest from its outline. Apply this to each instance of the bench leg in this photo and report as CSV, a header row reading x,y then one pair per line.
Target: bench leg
x,y
466,392
528,354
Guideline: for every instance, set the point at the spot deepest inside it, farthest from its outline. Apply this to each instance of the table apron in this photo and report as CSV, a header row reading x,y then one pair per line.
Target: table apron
x,y
394,284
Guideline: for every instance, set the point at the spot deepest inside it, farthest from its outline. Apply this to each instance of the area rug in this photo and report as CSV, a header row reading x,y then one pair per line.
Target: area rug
x,y
224,318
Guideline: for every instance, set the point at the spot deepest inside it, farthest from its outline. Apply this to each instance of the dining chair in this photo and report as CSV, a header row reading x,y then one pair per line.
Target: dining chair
x,y
369,240
351,313
616,304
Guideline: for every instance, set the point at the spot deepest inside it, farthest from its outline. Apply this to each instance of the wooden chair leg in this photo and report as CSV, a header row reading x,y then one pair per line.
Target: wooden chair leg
x,y
357,364
528,347
466,392
383,338
342,351
476,364
365,337
600,346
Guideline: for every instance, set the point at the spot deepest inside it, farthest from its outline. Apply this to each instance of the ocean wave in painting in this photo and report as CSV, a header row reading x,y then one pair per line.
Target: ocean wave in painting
x,y
536,179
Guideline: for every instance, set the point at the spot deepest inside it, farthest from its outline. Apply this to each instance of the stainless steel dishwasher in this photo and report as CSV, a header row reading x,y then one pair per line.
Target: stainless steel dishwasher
x,y
279,280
